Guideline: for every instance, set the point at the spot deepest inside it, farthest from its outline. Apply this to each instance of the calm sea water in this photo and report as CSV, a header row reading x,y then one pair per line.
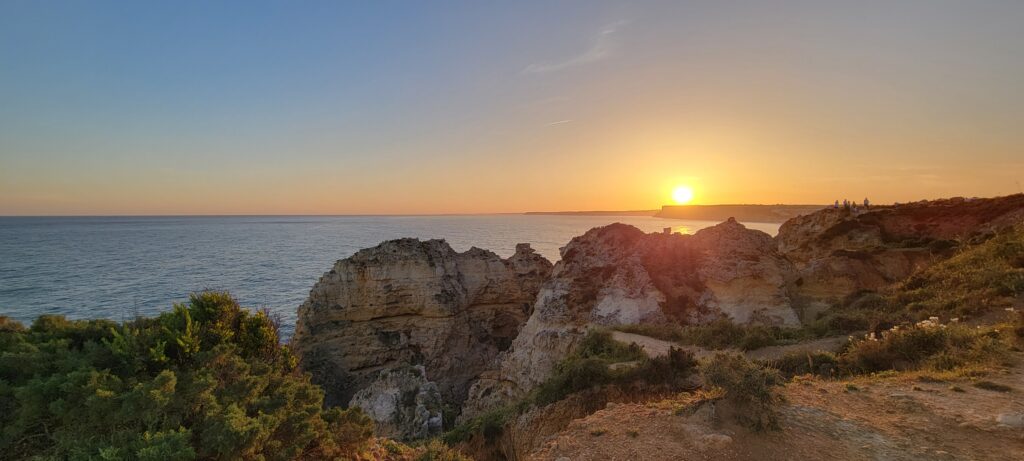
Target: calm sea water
x,y
113,267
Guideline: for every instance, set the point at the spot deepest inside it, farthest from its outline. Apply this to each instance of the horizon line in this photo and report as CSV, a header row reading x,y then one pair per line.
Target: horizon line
x,y
221,215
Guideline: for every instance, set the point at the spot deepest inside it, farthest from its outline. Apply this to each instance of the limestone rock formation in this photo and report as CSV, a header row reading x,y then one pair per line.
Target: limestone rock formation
x,y
838,252
404,404
617,274
411,302
744,275
486,330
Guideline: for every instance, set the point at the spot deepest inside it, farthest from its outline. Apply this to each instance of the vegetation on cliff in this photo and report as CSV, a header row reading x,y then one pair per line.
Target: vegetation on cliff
x,y
207,380
590,366
977,280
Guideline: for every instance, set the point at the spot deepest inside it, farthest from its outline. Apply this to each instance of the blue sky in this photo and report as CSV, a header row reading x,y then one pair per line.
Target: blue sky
x,y
410,107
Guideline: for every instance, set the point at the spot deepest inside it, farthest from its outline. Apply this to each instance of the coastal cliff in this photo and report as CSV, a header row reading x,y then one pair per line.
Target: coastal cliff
x,y
410,302
482,331
839,252
618,275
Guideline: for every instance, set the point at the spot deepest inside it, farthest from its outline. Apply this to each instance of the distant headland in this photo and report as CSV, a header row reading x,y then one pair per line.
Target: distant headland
x,y
748,213
596,213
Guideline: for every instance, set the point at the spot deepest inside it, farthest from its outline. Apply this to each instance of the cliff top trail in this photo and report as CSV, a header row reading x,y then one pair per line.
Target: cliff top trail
x,y
906,417
655,347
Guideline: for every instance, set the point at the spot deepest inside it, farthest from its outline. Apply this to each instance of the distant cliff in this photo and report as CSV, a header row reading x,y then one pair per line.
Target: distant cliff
x,y
742,213
596,213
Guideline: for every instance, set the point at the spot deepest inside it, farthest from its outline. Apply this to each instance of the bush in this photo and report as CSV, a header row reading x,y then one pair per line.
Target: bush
x,y
435,450
207,380
822,364
747,386
586,368
938,348
598,343
490,425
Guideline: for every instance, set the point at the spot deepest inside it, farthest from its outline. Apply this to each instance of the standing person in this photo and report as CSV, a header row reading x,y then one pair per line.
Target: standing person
x,y
836,206
866,203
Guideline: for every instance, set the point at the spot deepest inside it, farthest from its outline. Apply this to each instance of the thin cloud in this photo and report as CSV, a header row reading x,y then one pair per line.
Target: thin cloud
x,y
560,122
600,49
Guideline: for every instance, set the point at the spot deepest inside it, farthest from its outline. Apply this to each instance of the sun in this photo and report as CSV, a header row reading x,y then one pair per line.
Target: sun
x,y
682,195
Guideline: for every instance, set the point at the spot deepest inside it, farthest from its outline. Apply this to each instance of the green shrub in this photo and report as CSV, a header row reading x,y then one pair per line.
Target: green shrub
x,y
490,425
572,375
207,380
586,368
922,347
823,364
435,450
598,343
747,386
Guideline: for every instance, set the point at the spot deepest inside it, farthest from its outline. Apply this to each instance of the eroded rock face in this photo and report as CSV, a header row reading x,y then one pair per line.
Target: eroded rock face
x,y
745,277
411,302
838,252
404,404
487,330
617,274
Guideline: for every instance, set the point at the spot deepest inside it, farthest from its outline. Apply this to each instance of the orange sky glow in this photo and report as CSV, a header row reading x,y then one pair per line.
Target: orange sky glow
x,y
608,107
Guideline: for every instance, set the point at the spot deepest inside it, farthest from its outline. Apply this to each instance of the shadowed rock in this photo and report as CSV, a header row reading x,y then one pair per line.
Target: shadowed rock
x,y
412,302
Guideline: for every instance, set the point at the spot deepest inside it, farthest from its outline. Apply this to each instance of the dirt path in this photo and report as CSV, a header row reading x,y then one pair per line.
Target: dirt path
x,y
908,417
655,347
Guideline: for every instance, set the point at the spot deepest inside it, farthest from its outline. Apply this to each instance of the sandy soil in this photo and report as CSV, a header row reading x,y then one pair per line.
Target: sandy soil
x,y
904,417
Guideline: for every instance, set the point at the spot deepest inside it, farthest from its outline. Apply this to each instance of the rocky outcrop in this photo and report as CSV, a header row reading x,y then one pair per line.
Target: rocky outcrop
x,y
411,302
405,405
745,278
486,330
839,252
617,274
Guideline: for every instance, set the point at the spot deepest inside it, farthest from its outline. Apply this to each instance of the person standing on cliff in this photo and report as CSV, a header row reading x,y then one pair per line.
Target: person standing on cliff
x,y
836,206
866,203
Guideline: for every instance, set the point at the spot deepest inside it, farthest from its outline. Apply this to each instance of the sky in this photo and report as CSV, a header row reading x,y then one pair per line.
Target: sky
x,y
387,107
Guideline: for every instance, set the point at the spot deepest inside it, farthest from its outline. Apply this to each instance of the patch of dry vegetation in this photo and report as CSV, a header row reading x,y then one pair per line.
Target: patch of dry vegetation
x,y
748,387
587,368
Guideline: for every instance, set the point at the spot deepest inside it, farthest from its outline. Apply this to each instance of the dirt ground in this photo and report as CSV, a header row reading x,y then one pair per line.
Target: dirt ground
x,y
655,347
911,416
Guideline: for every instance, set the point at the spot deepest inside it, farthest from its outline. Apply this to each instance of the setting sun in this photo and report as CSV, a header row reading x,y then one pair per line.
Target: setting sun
x,y
682,195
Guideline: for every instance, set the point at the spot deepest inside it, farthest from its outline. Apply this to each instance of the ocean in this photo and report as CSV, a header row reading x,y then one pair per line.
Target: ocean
x,y
119,267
